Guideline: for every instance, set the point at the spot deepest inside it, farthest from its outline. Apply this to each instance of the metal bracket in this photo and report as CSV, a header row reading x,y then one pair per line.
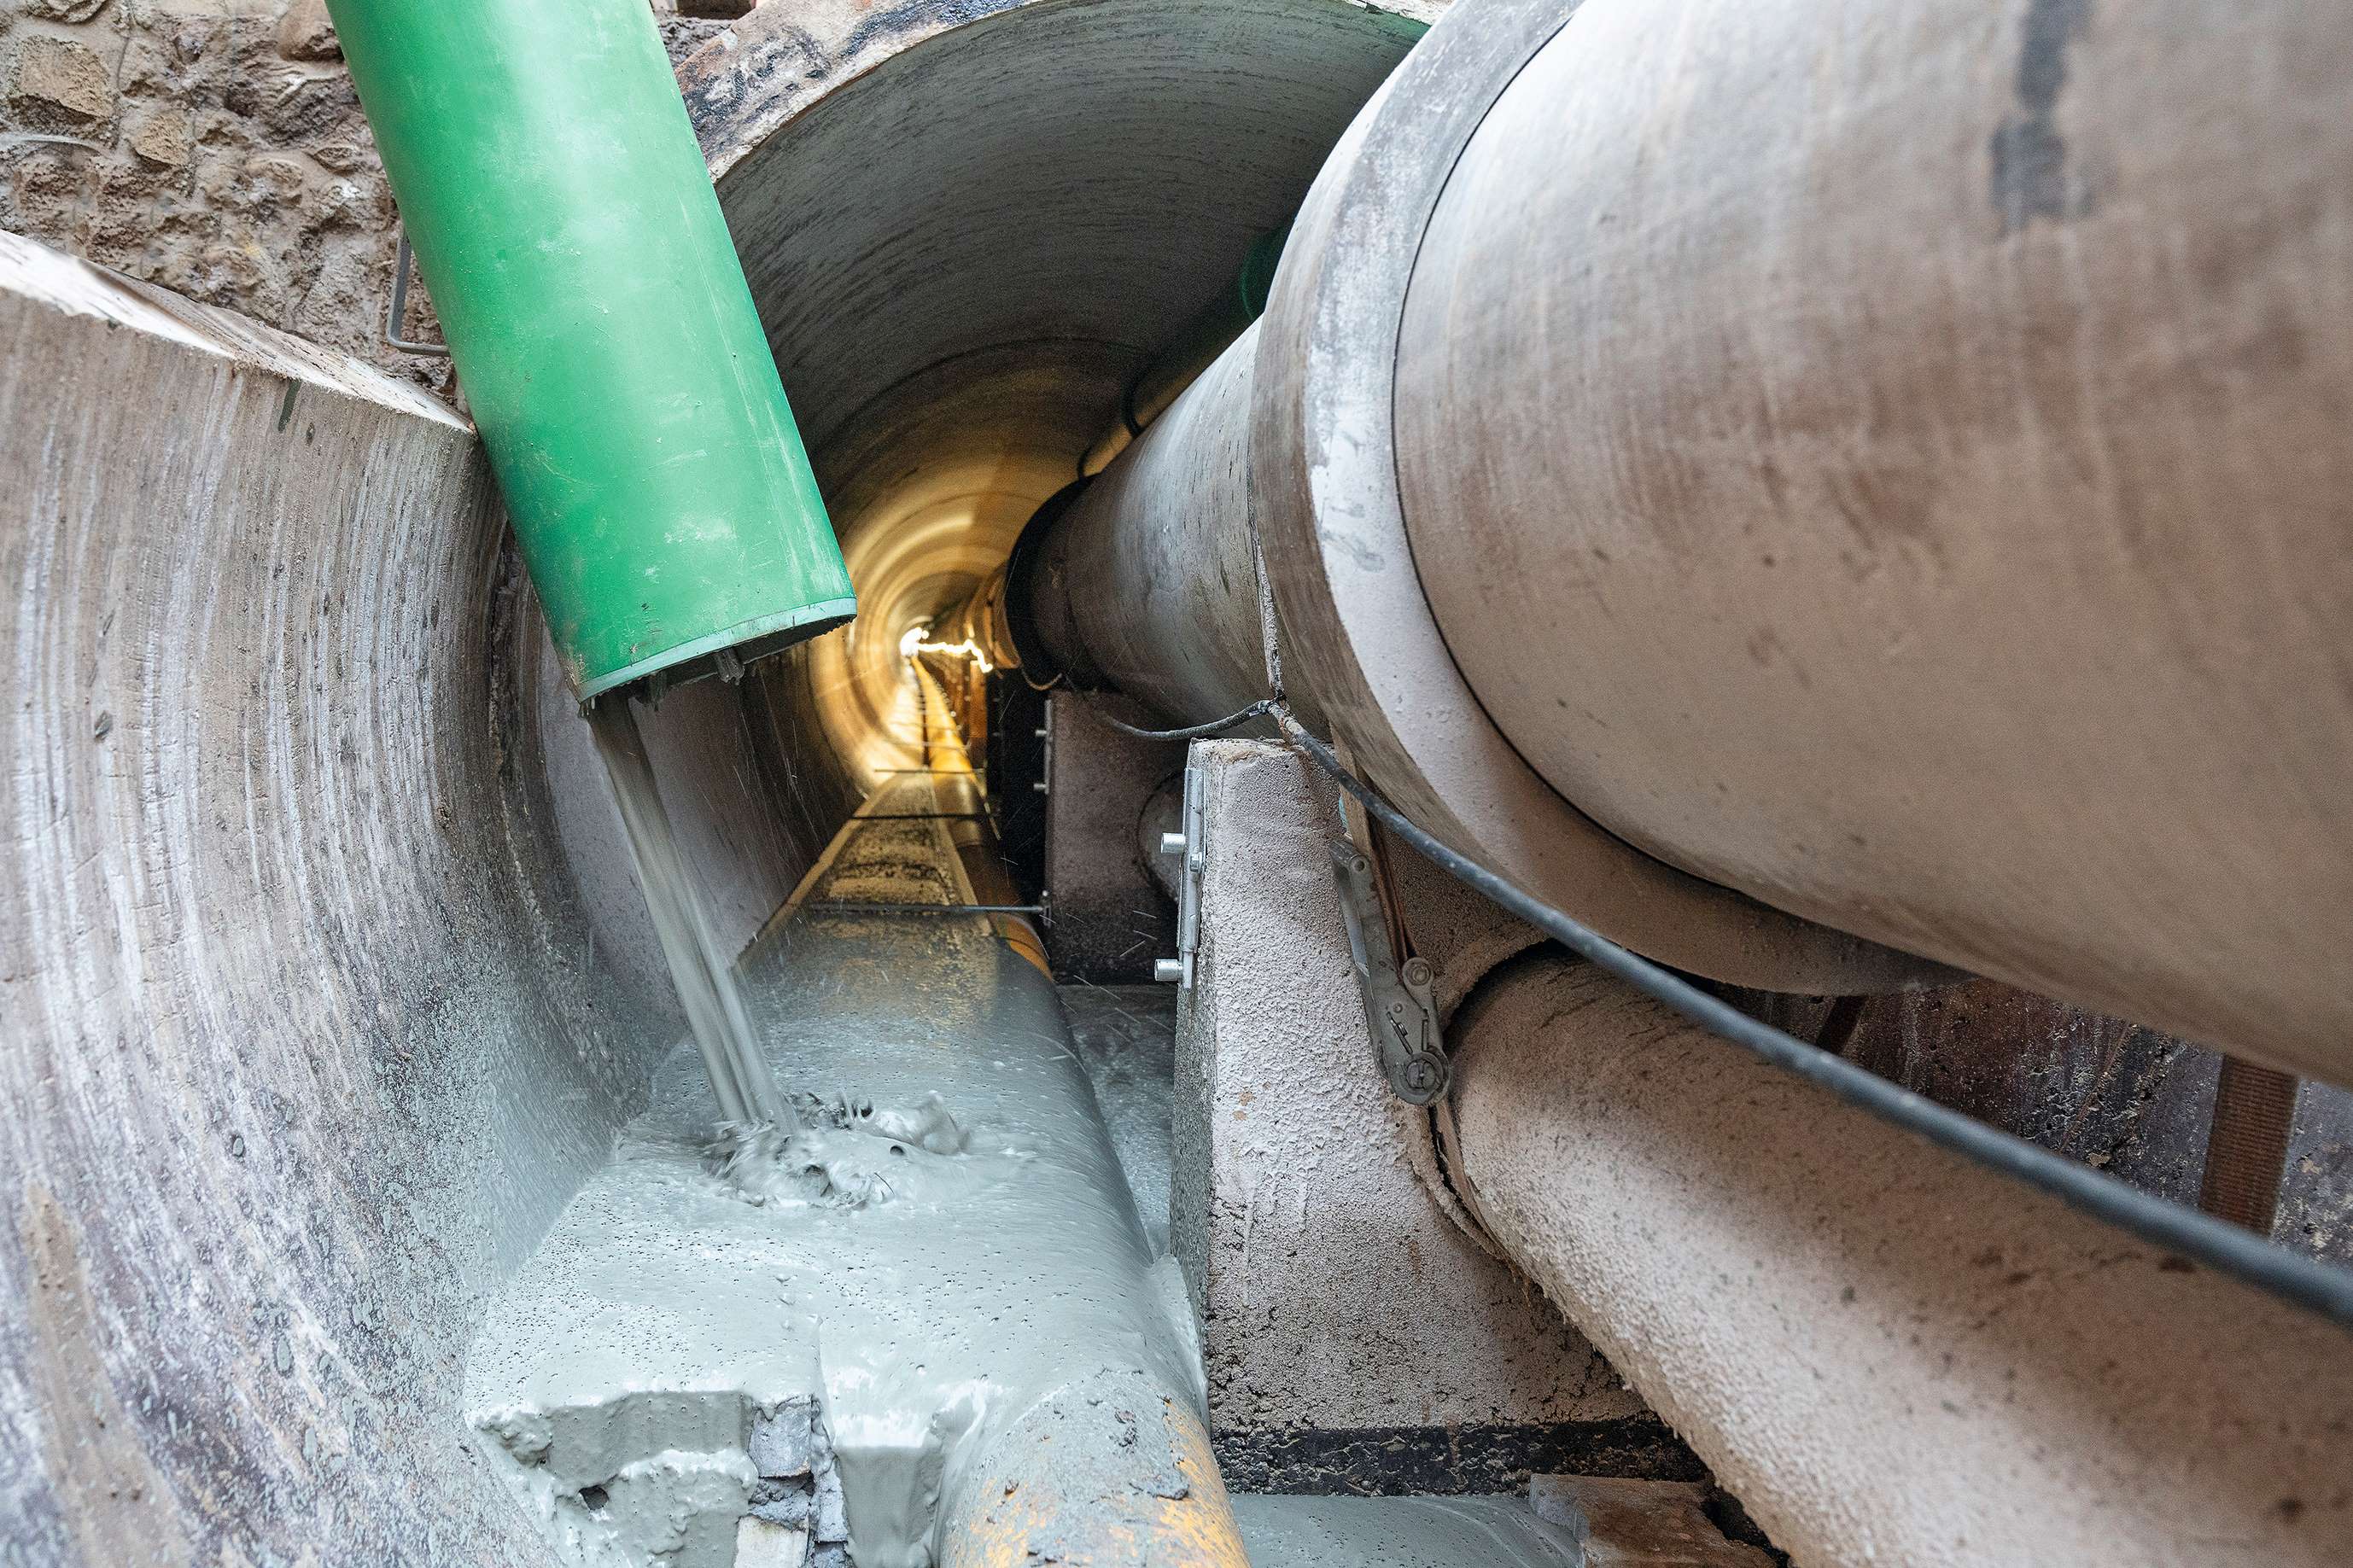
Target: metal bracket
x,y
1400,1011
1179,969
1042,782
398,307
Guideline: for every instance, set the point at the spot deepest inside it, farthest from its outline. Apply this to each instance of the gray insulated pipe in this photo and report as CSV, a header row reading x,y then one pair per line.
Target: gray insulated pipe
x,y
1890,1354
1798,485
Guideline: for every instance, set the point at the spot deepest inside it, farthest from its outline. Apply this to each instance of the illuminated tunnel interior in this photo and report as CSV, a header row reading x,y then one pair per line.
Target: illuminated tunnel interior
x,y
963,256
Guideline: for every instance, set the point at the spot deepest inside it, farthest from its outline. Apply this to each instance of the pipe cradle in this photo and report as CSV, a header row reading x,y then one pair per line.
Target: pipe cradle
x,y
1889,1354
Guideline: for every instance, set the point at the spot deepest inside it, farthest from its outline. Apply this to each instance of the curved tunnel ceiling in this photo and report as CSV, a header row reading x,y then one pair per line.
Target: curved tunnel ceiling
x,y
963,254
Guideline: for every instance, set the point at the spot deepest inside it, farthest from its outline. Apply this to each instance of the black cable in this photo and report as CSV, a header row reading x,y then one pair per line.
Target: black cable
x,y
1192,731
2219,1246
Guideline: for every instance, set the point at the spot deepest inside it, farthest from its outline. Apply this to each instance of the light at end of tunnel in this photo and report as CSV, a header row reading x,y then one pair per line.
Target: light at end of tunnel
x,y
913,643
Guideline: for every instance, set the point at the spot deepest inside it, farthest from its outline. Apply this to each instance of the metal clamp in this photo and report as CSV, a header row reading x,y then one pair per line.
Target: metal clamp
x,y
1400,1011
1179,971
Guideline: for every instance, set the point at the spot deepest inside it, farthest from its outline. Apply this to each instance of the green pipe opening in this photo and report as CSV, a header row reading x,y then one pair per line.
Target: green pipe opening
x,y
564,223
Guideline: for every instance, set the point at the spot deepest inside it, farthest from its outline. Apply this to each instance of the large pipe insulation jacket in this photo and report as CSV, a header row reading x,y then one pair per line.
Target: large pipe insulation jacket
x,y
1884,462
564,219
1150,581
1893,460
1890,1354
1162,535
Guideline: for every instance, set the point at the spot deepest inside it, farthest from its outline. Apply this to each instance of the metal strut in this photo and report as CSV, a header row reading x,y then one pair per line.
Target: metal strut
x,y
1398,1008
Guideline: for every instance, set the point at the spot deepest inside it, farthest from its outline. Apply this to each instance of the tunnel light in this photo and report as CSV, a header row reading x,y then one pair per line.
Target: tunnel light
x,y
913,643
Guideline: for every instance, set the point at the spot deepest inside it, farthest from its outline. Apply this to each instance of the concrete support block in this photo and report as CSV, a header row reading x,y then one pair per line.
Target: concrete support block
x,y
1106,794
1350,1329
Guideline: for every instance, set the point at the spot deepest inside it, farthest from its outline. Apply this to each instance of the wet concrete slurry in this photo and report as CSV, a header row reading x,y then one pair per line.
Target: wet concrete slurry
x,y
1126,1037
700,971
922,1300
1401,1533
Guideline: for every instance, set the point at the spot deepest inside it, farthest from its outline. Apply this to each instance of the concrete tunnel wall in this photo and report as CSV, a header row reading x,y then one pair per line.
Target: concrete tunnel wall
x,y
304,1037
967,228
326,980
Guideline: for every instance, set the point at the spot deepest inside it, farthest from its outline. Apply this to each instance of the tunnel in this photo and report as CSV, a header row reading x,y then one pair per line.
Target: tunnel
x,y
1065,188
1585,809
373,1078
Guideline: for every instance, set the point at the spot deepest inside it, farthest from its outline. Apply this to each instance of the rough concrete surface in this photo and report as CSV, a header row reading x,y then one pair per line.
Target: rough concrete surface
x,y
1111,917
300,1042
1336,1296
1889,1354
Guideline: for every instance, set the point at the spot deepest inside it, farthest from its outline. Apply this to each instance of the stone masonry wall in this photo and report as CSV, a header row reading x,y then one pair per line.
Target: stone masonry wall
x,y
214,147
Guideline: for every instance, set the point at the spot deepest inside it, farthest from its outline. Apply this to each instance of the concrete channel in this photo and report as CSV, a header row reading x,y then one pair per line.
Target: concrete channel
x,y
528,1035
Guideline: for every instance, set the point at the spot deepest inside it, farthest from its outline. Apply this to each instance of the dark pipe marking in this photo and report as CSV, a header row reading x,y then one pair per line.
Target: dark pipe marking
x,y
2031,178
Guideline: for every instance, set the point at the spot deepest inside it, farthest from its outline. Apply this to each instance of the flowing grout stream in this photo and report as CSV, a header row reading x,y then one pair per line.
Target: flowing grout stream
x,y
704,976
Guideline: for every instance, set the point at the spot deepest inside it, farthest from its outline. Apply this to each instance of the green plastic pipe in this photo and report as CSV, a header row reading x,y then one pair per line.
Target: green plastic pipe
x,y
566,226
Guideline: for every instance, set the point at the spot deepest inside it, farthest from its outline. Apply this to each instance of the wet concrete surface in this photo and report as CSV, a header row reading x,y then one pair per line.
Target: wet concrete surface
x,y
1401,1533
924,1291
1126,1037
